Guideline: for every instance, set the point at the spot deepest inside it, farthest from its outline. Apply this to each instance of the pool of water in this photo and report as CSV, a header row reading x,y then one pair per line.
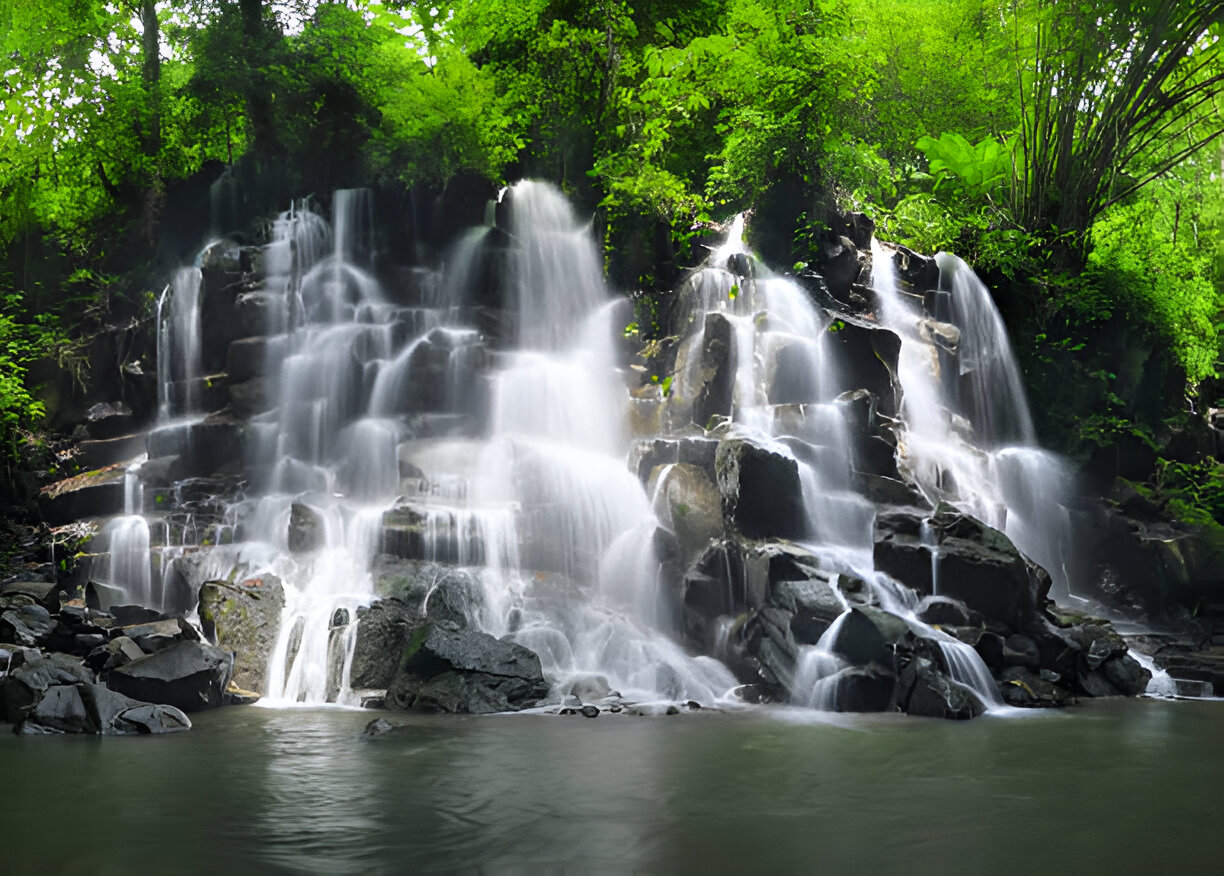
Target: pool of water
x,y
1111,786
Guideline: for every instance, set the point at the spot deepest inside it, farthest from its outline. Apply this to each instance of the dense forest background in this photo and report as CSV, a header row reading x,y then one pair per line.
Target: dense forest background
x,y
1069,149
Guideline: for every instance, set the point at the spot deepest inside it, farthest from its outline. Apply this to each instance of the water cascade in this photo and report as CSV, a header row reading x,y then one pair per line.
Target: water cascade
x,y
969,437
471,440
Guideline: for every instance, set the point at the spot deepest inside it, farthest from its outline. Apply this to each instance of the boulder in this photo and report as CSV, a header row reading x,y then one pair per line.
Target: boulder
x,y
23,687
15,594
1022,687
716,382
95,493
306,531
244,618
924,691
760,488
861,689
159,634
867,355
871,635
813,605
60,709
115,653
28,625
976,564
445,668
191,676
691,506
382,635
96,709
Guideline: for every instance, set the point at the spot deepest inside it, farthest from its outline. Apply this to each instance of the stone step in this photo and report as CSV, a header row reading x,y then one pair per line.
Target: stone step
x,y
97,493
99,453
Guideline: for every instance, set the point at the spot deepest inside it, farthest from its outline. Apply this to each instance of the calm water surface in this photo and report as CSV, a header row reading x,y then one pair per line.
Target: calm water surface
x,y
1123,786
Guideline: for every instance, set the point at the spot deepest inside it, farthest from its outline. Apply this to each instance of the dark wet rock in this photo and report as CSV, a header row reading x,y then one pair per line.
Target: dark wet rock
x,y
109,420
133,615
14,657
382,635
445,668
872,444
112,713
248,358
870,635
191,676
305,529
761,492
1127,675
25,686
716,382
1020,687
976,564
92,494
589,711
672,710
16,594
377,727
59,710
152,718
158,635
923,690
250,397
813,605
946,611
244,618
28,625
868,688
990,648
1020,650
841,264
648,455
203,447
867,356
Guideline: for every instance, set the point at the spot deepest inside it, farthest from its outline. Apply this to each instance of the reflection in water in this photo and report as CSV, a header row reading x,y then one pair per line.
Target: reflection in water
x,y
1120,784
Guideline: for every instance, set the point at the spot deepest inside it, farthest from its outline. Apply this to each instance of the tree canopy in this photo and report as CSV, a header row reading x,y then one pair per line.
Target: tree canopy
x,y
1071,147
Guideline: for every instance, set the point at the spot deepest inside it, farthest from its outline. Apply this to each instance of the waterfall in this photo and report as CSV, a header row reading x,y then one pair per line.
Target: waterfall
x,y
969,437
478,415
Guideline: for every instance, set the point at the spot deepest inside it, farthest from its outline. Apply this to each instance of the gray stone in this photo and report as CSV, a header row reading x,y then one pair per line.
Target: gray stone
x,y
59,710
187,675
113,654
25,686
305,529
28,625
244,618
160,634
445,668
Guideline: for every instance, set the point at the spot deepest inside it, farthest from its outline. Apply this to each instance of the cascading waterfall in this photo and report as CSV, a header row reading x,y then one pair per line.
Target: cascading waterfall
x,y
401,424
969,437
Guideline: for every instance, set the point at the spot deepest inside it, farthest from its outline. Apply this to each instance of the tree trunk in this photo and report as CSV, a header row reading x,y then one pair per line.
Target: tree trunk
x,y
151,74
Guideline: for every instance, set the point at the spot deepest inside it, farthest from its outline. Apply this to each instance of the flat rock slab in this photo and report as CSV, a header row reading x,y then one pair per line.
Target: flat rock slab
x,y
191,676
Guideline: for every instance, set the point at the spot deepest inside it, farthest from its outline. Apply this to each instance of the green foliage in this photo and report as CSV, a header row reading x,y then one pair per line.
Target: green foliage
x,y
1192,492
976,171
22,343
